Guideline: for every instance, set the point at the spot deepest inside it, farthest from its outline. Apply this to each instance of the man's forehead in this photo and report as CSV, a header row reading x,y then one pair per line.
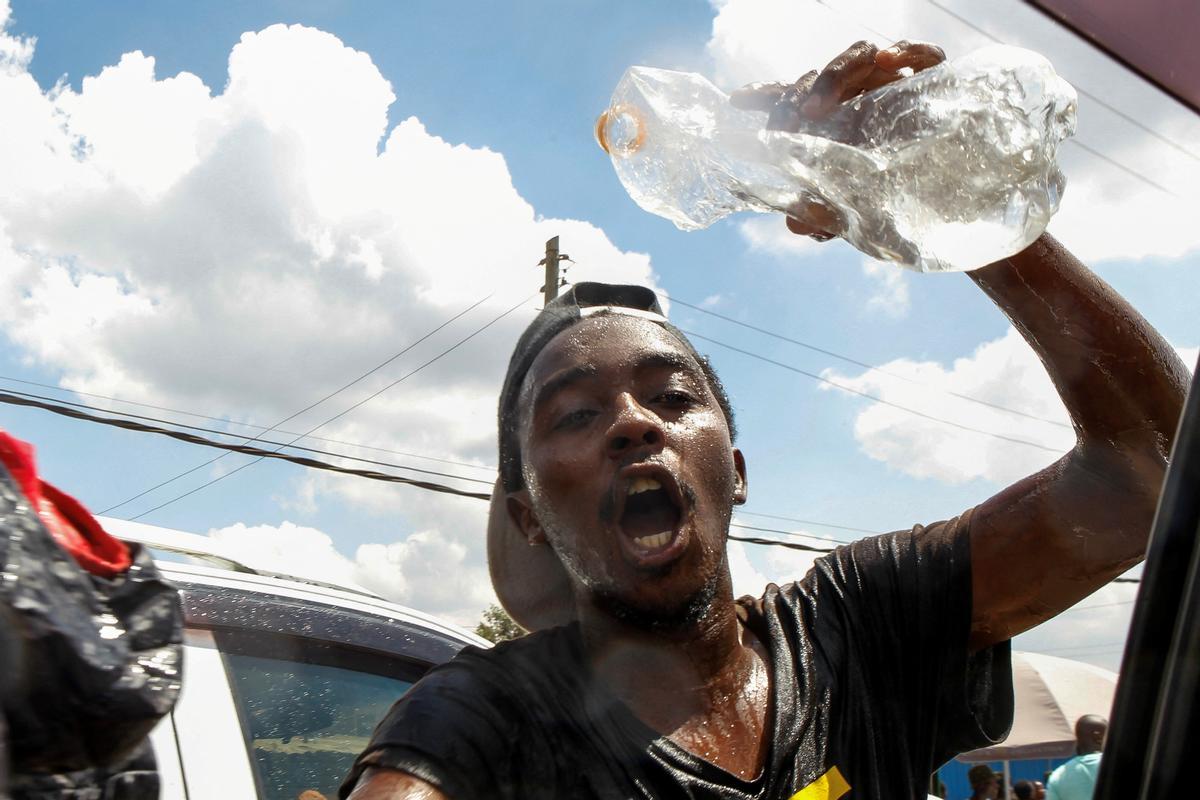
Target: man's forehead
x,y
611,340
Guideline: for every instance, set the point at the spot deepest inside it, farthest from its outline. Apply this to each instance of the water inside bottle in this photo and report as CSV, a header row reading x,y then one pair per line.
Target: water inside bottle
x,y
948,169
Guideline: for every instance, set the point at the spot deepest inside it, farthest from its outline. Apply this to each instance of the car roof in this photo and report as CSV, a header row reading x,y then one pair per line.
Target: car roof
x,y
221,568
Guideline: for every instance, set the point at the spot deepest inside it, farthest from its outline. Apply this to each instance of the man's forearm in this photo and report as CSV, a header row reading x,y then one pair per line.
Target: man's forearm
x,y
1118,377
1051,539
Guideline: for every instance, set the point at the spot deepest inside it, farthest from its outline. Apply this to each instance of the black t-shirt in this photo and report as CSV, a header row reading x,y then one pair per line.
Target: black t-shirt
x,y
873,689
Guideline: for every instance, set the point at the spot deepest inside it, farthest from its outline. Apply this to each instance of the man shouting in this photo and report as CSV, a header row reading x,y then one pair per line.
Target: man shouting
x,y
619,476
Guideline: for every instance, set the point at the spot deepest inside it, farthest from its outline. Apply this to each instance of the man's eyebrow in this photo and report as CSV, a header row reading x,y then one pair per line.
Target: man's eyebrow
x,y
669,360
658,360
561,381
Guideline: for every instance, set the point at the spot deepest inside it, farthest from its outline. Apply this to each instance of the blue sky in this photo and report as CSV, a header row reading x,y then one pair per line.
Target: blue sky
x,y
196,228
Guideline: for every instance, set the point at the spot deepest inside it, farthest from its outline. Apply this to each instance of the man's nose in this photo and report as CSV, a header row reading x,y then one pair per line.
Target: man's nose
x,y
633,427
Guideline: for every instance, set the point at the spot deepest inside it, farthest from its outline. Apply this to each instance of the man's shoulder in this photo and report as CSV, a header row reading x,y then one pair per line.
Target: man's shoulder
x,y
468,716
557,642
485,690
1080,763
508,666
1065,766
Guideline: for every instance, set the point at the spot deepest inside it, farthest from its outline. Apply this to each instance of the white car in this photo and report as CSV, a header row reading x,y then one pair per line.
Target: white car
x,y
284,679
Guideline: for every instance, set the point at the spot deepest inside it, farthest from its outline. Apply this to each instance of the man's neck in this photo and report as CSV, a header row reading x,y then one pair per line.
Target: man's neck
x,y
707,686
681,669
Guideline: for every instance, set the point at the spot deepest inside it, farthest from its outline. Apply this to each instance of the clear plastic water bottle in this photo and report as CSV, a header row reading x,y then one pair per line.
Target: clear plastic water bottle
x,y
949,169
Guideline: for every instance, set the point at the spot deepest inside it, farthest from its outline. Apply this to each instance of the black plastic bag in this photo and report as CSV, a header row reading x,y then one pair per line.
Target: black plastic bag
x,y
88,665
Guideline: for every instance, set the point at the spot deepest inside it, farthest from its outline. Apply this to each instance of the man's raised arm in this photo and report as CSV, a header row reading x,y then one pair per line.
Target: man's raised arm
x,y
1050,540
1055,537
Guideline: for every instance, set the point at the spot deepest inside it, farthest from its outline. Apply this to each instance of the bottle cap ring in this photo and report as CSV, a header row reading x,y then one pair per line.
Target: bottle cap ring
x,y
630,145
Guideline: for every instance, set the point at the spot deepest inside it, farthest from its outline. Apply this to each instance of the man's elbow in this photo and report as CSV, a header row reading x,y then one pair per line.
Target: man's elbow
x,y
1133,465
1125,478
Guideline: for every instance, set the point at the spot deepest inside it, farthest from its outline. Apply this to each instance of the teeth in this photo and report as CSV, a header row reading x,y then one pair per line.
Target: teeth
x,y
654,541
640,485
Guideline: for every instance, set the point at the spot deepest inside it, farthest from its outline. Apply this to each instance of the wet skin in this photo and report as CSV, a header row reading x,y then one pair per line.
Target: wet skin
x,y
1037,548
612,400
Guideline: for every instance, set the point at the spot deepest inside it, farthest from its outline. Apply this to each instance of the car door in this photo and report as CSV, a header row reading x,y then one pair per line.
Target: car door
x,y
1151,743
282,692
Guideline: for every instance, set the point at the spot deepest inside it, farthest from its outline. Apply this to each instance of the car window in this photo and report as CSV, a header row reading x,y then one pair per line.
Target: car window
x,y
307,708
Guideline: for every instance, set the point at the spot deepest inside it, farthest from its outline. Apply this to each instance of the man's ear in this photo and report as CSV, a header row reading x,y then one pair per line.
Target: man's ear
x,y
742,489
520,511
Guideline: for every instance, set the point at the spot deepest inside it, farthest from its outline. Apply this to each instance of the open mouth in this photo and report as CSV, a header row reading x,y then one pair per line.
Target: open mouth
x,y
651,514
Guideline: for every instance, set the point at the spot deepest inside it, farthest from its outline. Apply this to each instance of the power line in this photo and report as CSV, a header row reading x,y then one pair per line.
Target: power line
x,y
813,548
129,424
857,21
1104,645
281,445
278,445
309,407
860,393
183,436
392,465
806,521
783,533
343,413
863,364
1102,605
1127,170
777,543
228,421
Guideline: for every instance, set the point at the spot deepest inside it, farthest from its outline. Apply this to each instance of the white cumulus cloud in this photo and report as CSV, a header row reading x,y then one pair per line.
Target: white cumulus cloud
x,y
15,52
1004,372
287,549
890,296
256,247
769,234
937,441
425,570
250,250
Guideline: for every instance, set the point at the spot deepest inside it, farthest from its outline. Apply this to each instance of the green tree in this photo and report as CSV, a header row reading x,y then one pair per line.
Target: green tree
x,y
497,626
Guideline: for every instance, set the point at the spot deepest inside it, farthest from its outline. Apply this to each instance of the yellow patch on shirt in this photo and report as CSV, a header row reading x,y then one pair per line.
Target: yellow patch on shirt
x,y
829,786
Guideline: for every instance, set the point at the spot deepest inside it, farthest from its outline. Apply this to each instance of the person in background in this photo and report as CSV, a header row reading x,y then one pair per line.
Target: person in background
x,y
1076,779
1023,790
985,783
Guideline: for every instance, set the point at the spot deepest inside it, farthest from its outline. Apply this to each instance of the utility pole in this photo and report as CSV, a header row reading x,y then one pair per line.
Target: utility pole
x,y
550,287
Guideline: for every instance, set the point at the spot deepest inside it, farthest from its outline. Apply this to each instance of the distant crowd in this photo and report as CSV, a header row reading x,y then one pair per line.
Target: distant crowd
x,y
1074,780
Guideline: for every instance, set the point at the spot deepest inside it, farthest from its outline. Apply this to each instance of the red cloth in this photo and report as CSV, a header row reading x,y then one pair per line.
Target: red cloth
x,y
71,525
